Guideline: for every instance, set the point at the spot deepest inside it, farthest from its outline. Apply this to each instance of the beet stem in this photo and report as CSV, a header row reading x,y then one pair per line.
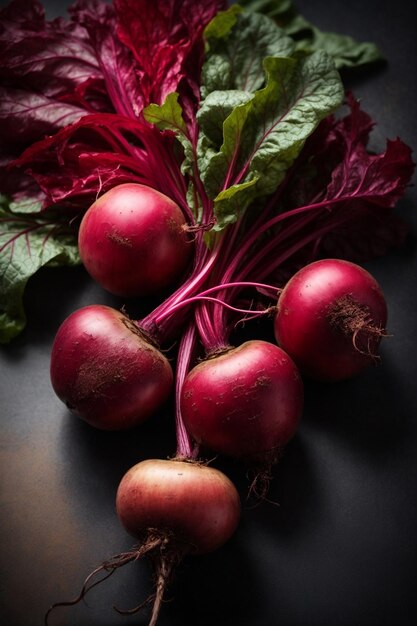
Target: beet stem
x,y
185,446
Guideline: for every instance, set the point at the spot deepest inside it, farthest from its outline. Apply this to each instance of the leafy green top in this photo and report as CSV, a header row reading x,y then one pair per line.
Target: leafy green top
x,y
261,100
346,51
27,242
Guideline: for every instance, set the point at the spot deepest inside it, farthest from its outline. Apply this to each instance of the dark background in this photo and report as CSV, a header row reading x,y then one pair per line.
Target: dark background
x,y
339,550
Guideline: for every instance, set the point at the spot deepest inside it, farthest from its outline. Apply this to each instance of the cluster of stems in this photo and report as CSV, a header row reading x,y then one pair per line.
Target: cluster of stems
x,y
234,276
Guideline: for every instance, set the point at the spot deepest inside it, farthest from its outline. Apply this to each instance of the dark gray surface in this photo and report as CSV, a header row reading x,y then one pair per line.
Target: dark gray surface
x,y
340,550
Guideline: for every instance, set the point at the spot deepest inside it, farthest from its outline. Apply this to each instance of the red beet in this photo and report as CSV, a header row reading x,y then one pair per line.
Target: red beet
x,y
246,402
133,241
330,319
105,370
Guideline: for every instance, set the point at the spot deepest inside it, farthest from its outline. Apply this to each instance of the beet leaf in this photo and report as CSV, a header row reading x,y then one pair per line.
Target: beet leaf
x,y
245,151
28,242
238,43
98,152
42,64
346,51
165,38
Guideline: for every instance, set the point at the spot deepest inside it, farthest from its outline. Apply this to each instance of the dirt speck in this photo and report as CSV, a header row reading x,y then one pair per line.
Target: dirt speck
x,y
119,239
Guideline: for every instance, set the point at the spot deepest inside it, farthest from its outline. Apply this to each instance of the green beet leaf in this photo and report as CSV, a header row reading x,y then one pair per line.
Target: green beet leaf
x,y
167,116
261,137
27,242
346,51
277,9
238,42
216,109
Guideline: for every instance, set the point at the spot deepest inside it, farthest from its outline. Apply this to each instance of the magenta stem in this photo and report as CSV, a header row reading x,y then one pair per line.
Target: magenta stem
x,y
214,331
315,236
186,448
204,296
191,286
